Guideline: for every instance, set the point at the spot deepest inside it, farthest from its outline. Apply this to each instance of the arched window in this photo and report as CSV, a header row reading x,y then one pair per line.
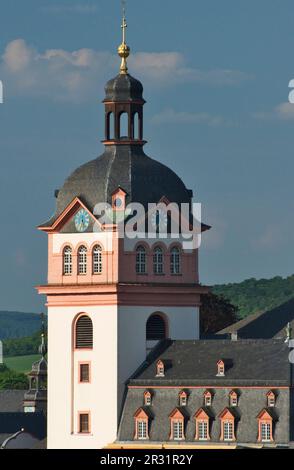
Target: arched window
x,y
155,328
141,260
175,261
82,260
136,126
97,259
67,261
124,125
84,333
110,126
158,261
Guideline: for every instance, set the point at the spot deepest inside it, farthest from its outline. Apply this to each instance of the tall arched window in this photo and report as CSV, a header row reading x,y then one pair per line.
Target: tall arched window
x,y
141,260
136,126
82,260
110,126
97,259
155,328
84,333
67,261
158,261
124,125
175,261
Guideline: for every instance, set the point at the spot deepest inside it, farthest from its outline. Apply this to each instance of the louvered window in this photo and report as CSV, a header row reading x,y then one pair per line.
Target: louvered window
x,y
84,333
155,328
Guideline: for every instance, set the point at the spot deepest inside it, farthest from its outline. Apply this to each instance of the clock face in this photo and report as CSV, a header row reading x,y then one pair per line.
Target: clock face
x,y
82,220
159,219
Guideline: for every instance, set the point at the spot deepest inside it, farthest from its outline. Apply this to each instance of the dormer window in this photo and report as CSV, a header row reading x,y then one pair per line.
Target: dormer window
x,y
271,399
183,398
147,398
233,398
207,398
159,369
119,200
220,368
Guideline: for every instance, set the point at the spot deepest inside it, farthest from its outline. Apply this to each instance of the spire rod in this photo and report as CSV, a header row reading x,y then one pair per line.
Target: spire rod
x,y
124,50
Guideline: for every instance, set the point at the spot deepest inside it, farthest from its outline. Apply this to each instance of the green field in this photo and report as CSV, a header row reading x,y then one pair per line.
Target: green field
x,y
21,363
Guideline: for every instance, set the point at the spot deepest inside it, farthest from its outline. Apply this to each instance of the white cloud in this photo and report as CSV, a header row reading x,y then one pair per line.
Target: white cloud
x,y
284,111
75,75
171,116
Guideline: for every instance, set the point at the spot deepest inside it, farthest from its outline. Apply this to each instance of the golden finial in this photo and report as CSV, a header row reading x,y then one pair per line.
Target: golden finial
x,y
123,49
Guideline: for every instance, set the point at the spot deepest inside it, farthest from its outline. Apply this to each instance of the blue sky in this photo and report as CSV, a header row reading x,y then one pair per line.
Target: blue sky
x,y
216,78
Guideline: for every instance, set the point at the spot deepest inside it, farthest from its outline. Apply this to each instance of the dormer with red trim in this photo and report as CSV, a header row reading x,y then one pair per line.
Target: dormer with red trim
x,y
183,396
160,370
141,425
202,425
228,425
220,368
233,396
207,397
147,398
177,425
271,399
118,199
265,426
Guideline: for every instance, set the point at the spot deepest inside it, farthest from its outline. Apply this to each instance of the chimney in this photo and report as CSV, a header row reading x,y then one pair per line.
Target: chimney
x,y
234,336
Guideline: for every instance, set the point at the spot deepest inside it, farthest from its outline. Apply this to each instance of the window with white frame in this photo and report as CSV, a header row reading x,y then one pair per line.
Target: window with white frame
x,y
228,430
147,398
178,429
266,431
175,261
142,429
141,260
233,399
97,259
207,399
202,429
67,261
82,260
183,399
158,261
271,399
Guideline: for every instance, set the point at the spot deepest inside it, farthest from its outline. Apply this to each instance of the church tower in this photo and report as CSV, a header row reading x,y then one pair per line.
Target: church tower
x,y
111,299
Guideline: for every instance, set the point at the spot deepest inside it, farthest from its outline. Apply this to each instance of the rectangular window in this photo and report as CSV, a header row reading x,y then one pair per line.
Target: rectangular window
x,y
85,373
266,432
202,431
228,428
84,423
141,262
142,431
178,430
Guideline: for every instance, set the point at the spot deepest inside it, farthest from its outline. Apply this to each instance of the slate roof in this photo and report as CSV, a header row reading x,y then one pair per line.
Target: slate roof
x,y
145,180
247,362
124,87
11,400
13,419
266,325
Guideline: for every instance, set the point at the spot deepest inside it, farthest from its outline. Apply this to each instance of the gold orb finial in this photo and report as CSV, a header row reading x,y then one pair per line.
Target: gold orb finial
x,y
123,49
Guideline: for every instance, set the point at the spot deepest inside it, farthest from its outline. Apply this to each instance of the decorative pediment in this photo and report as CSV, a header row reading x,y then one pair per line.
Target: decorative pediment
x,y
176,414
68,214
226,414
201,414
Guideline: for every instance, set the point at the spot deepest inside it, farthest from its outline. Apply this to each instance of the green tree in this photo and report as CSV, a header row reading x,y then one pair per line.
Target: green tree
x,y
216,313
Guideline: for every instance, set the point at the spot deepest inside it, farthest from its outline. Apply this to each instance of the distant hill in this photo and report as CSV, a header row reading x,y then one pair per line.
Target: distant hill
x,y
255,296
18,324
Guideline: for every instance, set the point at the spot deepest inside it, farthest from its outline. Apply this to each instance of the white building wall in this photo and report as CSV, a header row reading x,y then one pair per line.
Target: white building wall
x,y
66,397
183,323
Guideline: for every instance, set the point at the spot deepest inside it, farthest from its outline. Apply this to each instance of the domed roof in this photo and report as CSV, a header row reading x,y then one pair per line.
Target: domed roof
x,y
145,180
124,87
